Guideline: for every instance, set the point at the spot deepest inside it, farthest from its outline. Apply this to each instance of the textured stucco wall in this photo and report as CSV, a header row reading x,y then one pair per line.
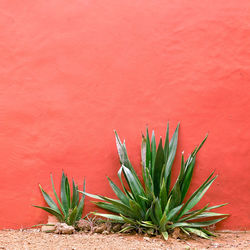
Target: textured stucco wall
x,y
72,71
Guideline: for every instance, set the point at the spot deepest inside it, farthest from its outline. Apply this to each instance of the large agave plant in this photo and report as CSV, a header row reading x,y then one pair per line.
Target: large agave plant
x,y
70,206
153,206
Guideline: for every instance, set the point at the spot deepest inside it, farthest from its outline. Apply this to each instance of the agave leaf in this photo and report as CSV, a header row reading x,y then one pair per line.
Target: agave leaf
x,y
99,197
166,146
176,190
107,206
185,231
119,193
207,214
187,178
147,224
182,171
67,189
153,148
171,156
165,235
122,152
197,195
188,161
81,204
163,195
152,215
209,208
179,224
143,157
38,225
112,217
144,198
49,200
197,232
176,196
172,151
194,215
208,232
197,150
159,163
74,201
123,155
147,215
77,193
130,196
136,208
124,209
189,167
196,224
157,210
143,151
173,212
148,184
57,198
72,216
163,223
153,151
52,211
128,220
135,186
120,207
167,208
217,206
64,198
206,223
127,229
148,152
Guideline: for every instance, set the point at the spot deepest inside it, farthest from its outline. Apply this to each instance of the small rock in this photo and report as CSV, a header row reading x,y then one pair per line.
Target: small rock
x,y
177,233
105,232
108,226
99,229
83,225
63,228
146,238
215,245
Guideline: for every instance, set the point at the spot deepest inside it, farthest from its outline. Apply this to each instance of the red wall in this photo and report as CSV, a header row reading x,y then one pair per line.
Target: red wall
x,y
72,71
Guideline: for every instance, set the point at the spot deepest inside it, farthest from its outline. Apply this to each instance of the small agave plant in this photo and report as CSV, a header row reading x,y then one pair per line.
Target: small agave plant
x,y
70,206
152,206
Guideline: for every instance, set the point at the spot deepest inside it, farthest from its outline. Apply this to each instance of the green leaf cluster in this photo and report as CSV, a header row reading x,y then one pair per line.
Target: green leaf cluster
x,y
152,205
69,206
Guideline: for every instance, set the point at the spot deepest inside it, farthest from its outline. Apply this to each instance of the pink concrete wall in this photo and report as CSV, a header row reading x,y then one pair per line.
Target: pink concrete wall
x,y
72,71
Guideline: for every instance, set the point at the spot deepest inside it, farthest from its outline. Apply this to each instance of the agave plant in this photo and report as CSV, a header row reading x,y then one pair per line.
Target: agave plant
x,y
70,206
152,206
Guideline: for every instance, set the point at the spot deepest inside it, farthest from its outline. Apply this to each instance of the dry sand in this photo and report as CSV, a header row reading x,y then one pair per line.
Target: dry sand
x,y
34,239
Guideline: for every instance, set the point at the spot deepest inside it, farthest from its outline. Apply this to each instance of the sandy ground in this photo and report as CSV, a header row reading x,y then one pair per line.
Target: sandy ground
x,y
33,239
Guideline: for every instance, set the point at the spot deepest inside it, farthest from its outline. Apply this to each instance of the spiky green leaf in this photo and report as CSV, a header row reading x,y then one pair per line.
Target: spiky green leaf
x,y
52,211
49,200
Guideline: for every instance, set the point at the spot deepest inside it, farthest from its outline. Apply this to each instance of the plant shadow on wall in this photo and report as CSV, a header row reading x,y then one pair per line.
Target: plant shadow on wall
x,y
152,207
